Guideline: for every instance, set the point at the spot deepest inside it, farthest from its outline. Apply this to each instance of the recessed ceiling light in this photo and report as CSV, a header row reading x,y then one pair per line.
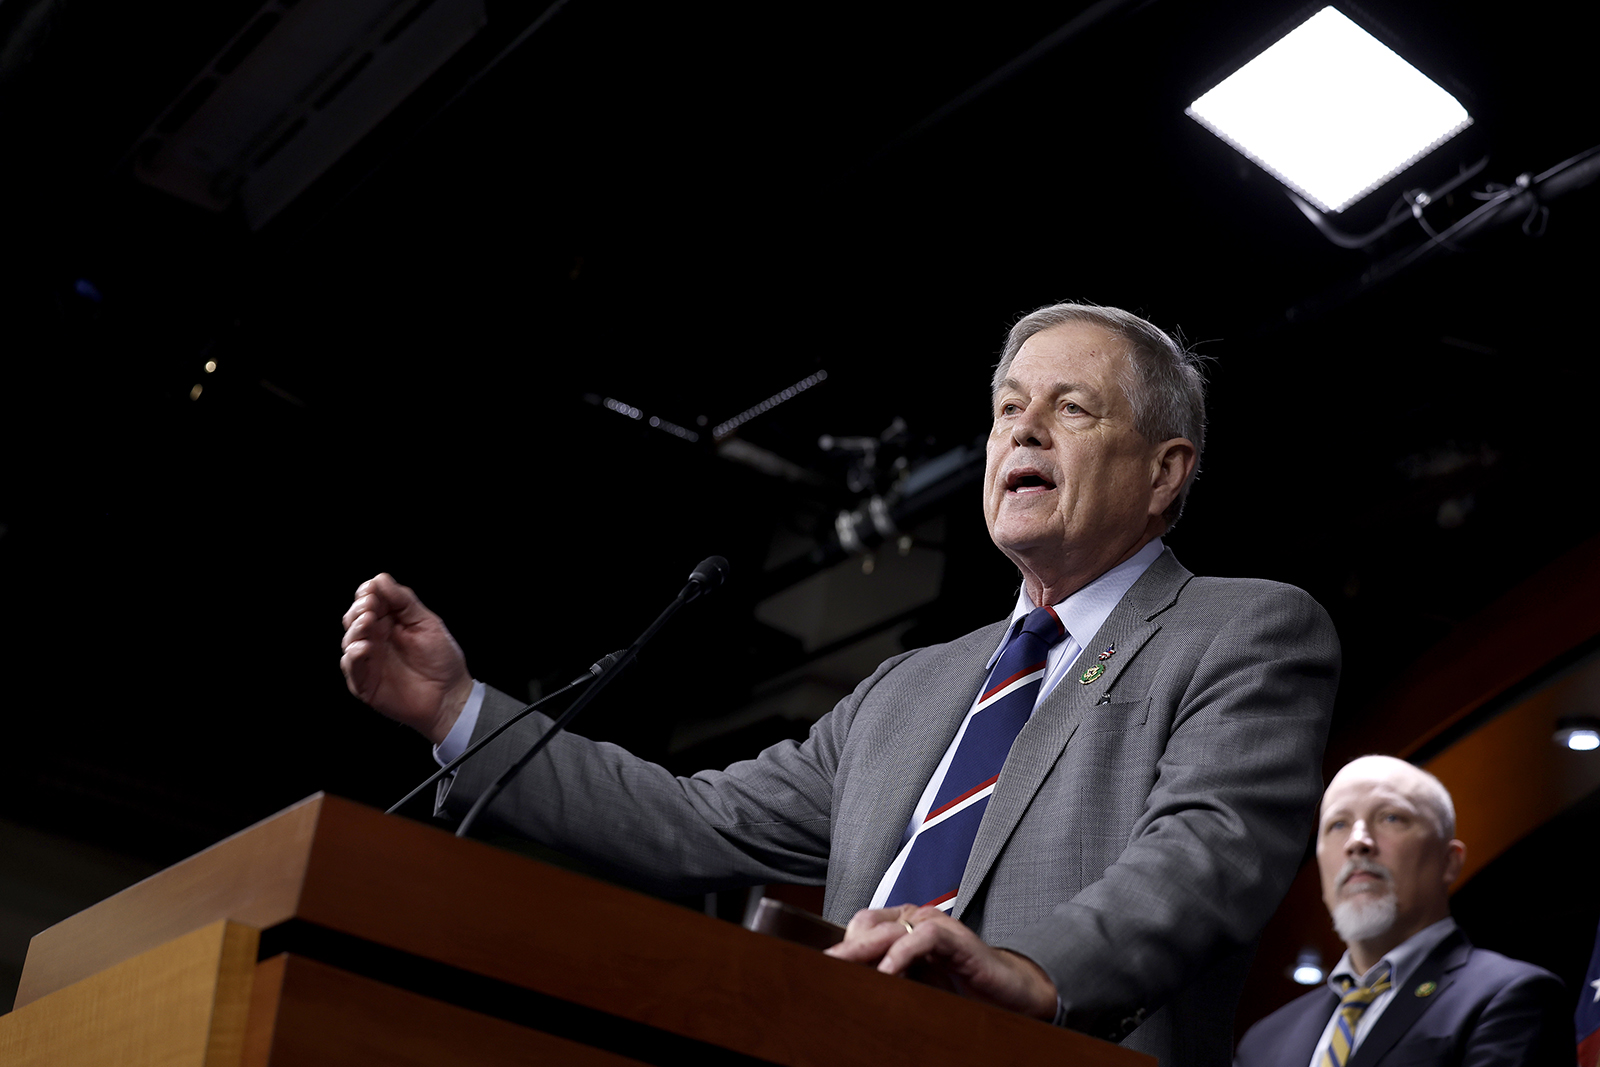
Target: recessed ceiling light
x,y
1307,969
1581,733
1332,112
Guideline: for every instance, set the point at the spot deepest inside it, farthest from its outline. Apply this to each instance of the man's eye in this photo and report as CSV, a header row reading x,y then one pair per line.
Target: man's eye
x,y
1009,409
1070,408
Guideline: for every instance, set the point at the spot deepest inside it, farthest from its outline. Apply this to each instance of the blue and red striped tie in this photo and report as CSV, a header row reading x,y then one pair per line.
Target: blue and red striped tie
x,y
943,841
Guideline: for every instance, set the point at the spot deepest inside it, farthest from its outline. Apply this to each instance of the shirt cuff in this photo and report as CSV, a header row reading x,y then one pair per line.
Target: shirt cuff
x,y
455,742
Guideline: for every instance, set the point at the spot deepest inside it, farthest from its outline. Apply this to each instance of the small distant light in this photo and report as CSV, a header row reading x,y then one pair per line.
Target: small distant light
x,y
1583,740
1307,969
86,289
194,394
1580,733
211,365
1331,111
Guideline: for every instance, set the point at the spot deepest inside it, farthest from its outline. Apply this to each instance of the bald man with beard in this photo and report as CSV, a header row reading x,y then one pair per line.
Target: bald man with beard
x,y
1410,989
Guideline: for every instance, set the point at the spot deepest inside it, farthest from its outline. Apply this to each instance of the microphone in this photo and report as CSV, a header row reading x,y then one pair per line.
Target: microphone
x,y
707,576
712,572
596,669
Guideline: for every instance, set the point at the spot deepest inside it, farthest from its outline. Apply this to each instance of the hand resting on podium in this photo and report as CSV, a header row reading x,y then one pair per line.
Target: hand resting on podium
x,y
953,956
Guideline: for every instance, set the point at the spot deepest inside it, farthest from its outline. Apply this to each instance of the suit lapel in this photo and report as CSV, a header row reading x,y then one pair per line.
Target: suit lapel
x,y
1406,1007
1130,625
927,720
1305,1033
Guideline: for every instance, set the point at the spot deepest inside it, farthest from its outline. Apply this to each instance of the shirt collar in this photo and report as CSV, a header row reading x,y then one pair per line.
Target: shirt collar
x,y
1084,612
1403,959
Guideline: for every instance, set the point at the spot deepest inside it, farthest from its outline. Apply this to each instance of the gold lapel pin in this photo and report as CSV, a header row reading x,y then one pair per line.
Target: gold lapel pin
x,y
1092,673
1426,989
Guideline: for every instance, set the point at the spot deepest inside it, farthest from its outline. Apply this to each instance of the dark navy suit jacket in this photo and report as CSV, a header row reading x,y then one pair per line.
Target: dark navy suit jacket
x,y
1485,1010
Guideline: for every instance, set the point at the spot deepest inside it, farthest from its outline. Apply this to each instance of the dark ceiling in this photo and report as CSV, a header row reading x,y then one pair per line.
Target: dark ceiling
x,y
689,209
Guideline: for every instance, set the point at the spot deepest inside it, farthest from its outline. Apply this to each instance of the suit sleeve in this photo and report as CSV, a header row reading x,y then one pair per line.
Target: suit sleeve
x,y
1225,822
1528,1023
762,820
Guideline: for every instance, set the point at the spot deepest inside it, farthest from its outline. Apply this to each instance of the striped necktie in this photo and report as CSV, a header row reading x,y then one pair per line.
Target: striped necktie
x,y
943,841
1355,1001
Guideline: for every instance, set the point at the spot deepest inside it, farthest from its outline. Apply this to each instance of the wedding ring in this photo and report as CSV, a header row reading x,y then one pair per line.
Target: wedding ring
x,y
908,926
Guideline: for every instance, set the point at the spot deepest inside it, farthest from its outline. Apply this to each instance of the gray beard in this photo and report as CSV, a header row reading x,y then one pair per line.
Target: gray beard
x,y
1364,917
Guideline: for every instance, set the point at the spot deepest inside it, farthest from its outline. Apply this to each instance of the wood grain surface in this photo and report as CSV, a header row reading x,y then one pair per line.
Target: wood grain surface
x,y
252,878
419,890
181,1004
319,1016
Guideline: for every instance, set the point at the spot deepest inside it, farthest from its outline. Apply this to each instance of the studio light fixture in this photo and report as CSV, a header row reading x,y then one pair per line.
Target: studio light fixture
x,y
1330,111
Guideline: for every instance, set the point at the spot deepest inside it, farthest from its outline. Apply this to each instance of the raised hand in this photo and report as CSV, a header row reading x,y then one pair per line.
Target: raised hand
x,y
399,658
896,938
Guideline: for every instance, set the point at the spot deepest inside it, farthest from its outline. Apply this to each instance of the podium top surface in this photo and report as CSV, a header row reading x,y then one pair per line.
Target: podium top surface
x,y
418,890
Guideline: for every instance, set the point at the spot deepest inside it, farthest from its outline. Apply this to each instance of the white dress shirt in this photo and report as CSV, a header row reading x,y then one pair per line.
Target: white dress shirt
x,y
455,742
1403,961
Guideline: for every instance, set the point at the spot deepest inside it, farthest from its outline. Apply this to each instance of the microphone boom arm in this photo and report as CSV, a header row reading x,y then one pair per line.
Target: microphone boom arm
x,y
594,672
707,576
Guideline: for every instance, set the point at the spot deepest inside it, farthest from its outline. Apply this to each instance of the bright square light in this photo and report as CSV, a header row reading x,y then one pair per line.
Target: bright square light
x,y
1331,111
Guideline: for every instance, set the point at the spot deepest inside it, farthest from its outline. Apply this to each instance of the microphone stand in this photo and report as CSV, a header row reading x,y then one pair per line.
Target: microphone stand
x,y
594,672
707,575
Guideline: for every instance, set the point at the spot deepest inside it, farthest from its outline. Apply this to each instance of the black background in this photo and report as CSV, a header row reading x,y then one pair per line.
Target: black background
x,y
690,208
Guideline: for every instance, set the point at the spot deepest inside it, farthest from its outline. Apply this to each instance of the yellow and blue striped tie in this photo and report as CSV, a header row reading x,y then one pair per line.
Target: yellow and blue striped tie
x,y
1355,1001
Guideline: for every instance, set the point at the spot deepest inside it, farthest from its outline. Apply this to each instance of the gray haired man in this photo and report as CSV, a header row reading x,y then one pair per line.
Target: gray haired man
x,y
1114,819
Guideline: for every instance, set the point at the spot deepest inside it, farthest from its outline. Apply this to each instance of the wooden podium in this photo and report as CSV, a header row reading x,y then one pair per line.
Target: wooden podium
x,y
332,934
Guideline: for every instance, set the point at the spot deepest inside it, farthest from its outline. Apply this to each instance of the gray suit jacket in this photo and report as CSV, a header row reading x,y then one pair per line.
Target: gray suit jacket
x,y
1144,827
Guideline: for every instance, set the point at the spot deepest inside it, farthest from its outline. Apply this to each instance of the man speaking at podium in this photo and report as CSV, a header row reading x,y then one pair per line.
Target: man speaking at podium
x,y
1084,813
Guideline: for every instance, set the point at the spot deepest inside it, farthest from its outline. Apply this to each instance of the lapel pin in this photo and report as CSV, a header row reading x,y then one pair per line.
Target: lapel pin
x,y
1426,989
1092,673
1108,653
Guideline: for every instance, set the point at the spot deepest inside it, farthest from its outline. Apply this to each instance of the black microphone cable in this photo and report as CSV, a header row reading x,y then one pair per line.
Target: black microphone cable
x,y
595,670
711,573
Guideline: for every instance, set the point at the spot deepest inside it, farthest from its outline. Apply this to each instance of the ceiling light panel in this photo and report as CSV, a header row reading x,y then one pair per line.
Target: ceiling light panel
x,y
1331,111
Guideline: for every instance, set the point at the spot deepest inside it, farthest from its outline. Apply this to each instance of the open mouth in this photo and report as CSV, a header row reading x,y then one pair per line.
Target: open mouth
x,y
1028,481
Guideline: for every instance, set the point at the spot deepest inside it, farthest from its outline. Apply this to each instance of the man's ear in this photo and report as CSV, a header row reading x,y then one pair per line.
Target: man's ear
x,y
1172,464
1456,858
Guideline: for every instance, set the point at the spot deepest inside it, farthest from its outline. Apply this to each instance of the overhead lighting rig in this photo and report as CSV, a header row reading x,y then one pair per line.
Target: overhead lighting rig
x,y
1330,111
301,83
1336,115
723,436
